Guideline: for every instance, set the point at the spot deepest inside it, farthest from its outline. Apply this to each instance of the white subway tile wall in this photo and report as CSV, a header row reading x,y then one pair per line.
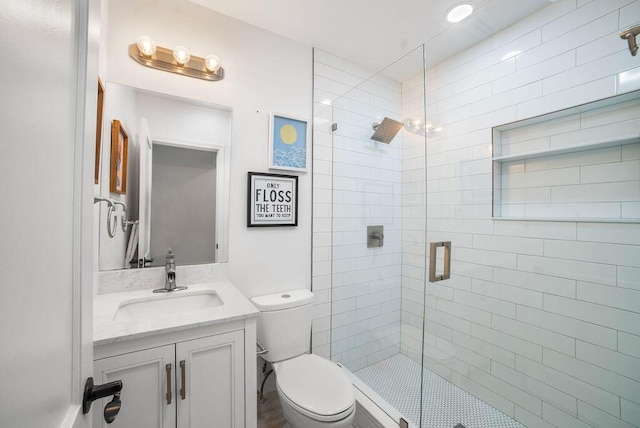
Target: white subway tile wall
x,y
540,318
589,182
360,184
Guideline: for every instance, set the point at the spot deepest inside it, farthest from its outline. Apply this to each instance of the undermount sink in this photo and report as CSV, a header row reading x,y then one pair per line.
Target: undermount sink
x,y
174,303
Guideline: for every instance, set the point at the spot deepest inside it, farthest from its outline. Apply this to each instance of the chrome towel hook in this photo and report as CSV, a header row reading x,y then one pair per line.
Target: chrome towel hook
x,y
111,223
124,223
112,219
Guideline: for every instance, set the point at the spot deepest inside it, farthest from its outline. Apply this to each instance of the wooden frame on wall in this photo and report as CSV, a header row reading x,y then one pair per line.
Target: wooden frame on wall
x,y
96,178
272,200
119,155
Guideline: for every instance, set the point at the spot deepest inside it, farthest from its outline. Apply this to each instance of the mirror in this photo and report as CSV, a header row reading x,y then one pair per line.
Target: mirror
x,y
178,181
144,200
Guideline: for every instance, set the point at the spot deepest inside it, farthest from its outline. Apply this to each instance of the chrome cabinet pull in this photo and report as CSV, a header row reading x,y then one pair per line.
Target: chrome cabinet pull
x,y
433,256
183,389
168,368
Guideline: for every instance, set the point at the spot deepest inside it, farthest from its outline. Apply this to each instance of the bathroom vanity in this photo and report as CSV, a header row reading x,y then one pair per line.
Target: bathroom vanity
x,y
186,358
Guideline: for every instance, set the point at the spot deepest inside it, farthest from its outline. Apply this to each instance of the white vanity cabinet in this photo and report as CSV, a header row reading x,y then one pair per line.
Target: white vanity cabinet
x,y
194,383
144,377
181,365
211,381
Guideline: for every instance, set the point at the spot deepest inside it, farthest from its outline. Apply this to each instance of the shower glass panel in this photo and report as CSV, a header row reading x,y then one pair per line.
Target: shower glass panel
x,y
378,228
536,324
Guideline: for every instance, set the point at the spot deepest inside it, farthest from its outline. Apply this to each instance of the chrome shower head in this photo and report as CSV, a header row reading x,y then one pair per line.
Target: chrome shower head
x,y
386,130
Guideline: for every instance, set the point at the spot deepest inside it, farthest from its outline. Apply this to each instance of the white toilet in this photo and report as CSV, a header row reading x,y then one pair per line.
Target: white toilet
x,y
314,392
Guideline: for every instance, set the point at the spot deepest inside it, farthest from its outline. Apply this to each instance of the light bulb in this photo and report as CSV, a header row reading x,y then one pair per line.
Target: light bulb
x,y
146,45
212,63
181,54
413,125
459,12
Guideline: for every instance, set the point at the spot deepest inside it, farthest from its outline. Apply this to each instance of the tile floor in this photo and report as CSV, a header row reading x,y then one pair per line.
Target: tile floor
x,y
397,380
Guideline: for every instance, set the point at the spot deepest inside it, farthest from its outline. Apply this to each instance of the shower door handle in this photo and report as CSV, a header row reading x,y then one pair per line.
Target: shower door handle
x,y
433,256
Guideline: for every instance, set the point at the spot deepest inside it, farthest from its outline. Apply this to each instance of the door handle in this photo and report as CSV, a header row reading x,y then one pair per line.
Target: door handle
x,y
95,392
433,256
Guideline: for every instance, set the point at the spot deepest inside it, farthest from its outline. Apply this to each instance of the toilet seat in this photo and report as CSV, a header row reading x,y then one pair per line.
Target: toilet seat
x,y
316,387
316,416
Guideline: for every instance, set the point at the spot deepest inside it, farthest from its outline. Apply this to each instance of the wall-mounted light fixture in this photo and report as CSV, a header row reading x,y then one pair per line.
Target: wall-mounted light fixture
x,y
630,35
179,60
417,126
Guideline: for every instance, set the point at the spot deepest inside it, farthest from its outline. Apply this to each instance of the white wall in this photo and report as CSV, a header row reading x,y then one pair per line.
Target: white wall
x,y
263,73
120,104
178,120
540,319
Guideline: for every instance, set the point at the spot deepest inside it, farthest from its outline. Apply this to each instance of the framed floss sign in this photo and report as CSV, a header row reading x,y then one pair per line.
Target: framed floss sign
x,y
272,200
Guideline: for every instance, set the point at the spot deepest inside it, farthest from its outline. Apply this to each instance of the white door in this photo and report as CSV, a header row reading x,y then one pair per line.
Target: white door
x,y
47,123
145,143
211,381
148,391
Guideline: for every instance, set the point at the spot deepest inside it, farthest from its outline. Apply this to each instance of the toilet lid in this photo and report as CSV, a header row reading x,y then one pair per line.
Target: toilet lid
x,y
316,385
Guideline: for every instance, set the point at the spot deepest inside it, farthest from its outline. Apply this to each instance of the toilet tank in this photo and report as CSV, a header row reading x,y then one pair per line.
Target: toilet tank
x,y
284,323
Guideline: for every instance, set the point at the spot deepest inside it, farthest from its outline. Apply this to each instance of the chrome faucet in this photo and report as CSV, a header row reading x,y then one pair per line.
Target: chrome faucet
x,y
170,269
170,275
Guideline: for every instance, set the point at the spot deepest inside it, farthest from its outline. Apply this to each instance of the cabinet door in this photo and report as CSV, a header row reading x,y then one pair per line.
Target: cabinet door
x,y
145,403
211,370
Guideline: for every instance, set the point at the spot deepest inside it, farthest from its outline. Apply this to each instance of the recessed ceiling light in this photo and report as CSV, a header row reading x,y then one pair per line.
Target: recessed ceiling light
x,y
460,12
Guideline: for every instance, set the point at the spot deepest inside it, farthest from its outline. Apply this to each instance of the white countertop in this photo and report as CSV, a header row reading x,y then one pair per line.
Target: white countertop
x,y
106,329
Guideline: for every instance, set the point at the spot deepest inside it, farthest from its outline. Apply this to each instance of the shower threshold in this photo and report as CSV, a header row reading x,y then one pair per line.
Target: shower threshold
x,y
394,385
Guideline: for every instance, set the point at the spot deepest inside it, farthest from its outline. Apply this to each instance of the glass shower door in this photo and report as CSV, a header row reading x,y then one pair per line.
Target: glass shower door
x,y
464,348
538,324
377,215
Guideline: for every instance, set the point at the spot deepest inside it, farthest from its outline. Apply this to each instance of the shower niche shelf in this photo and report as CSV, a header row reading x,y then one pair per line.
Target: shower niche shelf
x,y
577,164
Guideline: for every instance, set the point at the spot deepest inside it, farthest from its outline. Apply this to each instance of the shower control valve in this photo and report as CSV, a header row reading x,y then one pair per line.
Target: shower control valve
x,y
375,236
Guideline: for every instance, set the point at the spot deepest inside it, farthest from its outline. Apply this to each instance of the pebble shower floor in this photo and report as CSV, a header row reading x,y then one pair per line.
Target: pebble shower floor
x,y
397,380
